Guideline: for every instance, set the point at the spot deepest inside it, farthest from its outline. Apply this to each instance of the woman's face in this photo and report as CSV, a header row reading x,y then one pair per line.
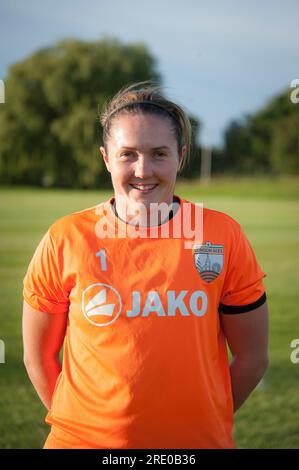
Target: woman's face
x,y
143,159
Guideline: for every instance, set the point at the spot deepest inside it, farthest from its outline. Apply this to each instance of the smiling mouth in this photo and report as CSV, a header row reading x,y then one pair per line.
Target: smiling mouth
x,y
144,188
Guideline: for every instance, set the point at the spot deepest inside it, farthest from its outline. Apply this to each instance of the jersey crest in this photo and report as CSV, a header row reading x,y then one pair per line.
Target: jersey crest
x,y
208,259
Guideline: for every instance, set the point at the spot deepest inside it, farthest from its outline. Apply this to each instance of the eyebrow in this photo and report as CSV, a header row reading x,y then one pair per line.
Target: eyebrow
x,y
153,148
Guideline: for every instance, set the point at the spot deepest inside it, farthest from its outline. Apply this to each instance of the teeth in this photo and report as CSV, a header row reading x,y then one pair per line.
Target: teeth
x,y
143,186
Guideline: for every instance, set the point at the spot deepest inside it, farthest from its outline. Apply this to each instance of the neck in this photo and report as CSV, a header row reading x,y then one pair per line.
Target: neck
x,y
141,216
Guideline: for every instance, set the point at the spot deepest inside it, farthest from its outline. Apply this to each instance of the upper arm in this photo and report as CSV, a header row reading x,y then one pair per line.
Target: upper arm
x,y
247,333
43,333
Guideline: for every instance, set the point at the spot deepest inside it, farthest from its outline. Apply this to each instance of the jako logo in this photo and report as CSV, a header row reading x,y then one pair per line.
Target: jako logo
x,y
101,304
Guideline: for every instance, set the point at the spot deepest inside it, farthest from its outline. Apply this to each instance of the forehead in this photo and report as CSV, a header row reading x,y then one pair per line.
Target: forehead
x,y
141,130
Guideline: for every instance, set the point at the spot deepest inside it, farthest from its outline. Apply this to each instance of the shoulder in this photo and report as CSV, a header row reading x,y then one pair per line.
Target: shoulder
x,y
221,219
217,227
222,227
76,222
215,218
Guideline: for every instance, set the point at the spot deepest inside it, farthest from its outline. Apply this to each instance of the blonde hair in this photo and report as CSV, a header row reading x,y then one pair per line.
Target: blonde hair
x,y
145,97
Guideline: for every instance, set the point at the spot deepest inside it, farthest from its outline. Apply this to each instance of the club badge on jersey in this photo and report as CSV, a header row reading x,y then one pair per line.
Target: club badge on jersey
x,y
208,259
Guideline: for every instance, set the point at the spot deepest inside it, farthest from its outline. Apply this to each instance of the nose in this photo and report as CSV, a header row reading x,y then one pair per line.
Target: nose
x,y
143,168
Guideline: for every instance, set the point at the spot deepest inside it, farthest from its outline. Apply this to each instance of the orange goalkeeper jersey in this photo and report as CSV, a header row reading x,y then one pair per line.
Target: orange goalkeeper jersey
x,y
145,363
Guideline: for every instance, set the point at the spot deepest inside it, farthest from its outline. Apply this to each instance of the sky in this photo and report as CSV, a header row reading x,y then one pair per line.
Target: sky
x,y
220,59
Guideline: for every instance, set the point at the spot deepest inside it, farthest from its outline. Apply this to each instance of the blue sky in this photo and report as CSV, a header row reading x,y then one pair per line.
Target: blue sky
x,y
220,59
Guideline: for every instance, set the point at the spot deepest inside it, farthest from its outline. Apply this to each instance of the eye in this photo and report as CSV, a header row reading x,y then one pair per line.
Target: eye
x,y
160,154
126,154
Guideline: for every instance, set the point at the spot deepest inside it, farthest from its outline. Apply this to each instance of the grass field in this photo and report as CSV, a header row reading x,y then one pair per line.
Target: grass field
x,y
268,210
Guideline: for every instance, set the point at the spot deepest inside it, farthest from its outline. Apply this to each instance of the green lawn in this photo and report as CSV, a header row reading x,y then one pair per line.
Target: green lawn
x,y
269,213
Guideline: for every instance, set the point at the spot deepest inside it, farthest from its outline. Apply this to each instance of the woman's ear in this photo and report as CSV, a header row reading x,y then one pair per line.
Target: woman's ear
x,y
182,156
105,157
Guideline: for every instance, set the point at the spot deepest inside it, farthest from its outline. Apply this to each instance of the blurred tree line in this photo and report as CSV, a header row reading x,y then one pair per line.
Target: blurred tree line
x,y
266,142
50,133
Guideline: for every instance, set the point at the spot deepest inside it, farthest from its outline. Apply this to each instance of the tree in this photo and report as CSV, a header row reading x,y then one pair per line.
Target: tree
x,y
285,146
265,142
49,132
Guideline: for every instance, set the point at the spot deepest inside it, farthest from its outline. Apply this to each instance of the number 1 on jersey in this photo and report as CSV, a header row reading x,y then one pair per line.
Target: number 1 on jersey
x,y
102,255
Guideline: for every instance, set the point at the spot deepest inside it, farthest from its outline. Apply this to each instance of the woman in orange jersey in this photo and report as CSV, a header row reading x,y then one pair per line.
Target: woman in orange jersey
x,y
144,290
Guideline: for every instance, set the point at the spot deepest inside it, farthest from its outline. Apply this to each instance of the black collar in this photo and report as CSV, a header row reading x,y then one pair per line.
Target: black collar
x,y
170,215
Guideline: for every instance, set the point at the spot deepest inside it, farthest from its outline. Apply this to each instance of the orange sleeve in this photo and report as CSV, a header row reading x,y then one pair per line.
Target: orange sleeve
x,y
42,285
243,289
